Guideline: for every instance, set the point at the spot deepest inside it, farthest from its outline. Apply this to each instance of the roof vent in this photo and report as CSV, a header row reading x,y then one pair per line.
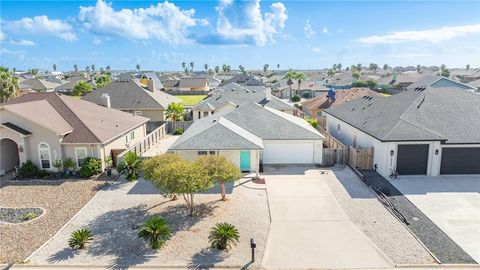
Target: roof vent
x,y
214,121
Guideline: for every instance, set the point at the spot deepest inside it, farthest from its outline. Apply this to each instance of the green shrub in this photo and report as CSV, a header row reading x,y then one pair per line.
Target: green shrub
x,y
312,121
68,164
155,230
359,83
80,238
130,164
29,216
223,236
90,167
296,98
178,131
28,170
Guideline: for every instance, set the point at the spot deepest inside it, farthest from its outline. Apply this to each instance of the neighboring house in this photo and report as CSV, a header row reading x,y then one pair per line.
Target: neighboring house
x,y
233,95
70,85
40,85
243,80
475,84
193,84
45,127
128,96
399,81
145,77
438,81
421,132
251,135
171,84
314,107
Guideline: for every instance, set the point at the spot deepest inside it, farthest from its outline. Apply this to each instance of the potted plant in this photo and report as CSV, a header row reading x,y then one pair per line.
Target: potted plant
x,y
108,165
68,166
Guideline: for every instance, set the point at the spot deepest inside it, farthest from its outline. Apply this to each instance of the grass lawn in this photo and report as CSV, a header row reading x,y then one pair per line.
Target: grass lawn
x,y
191,100
385,94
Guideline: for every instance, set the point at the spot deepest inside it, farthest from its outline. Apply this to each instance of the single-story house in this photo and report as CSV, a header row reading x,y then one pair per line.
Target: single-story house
x,y
427,131
37,84
193,84
48,127
128,96
145,77
439,81
314,107
229,96
250,135
70,84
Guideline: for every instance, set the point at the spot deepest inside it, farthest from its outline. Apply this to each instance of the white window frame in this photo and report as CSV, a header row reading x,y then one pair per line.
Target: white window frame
x,y
76,154
138,112
132,135
49,156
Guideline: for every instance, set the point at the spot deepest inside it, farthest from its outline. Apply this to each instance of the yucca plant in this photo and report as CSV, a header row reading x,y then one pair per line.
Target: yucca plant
x,y
223,236
79,238
155,230
130,164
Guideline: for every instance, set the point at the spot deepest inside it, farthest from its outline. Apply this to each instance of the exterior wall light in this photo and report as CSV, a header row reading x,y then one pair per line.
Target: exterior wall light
x,y
392,153
436,152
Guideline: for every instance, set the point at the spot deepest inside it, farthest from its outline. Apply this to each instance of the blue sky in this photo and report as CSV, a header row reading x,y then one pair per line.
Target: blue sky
x,y
295,34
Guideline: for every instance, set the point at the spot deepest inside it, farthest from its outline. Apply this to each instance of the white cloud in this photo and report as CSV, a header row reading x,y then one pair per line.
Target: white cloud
x,y
325,30
2,36
308,31
165,21
432,36
243,22
42,25
22,42
317,50
96,41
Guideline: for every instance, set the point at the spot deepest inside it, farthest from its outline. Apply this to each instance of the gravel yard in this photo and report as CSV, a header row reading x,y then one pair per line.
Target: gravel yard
x,y
60,201
19,215
383,229
115,214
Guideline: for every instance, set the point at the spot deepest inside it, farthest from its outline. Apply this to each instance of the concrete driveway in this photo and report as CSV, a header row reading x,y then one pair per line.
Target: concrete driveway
x,y
309,229
451,202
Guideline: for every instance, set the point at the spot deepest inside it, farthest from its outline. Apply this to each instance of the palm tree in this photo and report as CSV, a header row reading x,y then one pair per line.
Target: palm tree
x,y
330,73
138,66
373,67
290,76
356,74
87,69
265,69
242,69
278,66
155,230
229,68
9,86
223,236
334,67
54,67
385,67
130,164
359,67
93,68
108,68
339,66
442,67
419,69
184,66
300,76
467,67
224,68
75,67
191,65
217,69
174,112
206,67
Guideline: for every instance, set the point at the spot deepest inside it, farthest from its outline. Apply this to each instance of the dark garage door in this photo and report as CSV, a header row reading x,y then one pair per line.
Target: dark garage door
x,y
412,159
460,161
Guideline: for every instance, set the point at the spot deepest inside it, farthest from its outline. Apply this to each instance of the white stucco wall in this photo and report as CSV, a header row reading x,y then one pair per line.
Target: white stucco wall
x,y
285,149
231,155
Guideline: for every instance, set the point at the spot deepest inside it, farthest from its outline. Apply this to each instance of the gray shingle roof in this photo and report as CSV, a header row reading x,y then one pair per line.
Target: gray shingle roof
x,y
434,114
238,130
240,95
438,81
126,94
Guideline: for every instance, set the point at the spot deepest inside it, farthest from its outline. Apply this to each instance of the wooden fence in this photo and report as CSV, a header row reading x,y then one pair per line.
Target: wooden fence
x,y
330,141
322,122
169,125
334,152
145,144
360,158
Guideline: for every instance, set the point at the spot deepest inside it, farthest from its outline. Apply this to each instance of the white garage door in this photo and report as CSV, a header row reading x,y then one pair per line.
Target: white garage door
x,y
285,153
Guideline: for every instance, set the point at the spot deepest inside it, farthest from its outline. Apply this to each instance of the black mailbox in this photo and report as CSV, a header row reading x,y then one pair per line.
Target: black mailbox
x,y
253,244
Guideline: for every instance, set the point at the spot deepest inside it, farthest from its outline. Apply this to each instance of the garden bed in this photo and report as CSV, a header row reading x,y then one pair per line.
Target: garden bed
x,y
19,215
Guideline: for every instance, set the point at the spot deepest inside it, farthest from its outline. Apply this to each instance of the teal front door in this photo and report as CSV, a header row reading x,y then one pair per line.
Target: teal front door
x,y
245,161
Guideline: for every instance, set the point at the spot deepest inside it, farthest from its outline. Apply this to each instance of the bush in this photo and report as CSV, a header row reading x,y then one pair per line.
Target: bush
x,y
223,236
359,83
79,238
312,121
29,216
155,230
130,164
178,131
68,164
296,98
90,167
28,170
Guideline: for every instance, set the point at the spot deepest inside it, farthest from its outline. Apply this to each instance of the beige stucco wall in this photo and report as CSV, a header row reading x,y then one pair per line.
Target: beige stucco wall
x,y
153,115
31,142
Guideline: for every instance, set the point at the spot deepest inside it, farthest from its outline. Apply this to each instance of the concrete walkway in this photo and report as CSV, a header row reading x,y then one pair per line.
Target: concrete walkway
x,y
161,146
309,229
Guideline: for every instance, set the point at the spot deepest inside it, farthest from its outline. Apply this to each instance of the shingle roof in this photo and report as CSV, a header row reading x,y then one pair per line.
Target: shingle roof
x,y
342,96
240,95
126,94
438,81
153,76
193,82
83,122
436,114
237,129
37,84
16,128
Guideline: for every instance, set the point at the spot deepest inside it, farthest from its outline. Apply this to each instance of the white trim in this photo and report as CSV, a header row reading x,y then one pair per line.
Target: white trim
x,y
40,156
76,155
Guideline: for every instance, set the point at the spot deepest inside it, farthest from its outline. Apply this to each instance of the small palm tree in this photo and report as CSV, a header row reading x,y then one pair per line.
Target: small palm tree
x,y
223,236
300,77
174,112
155,230
80,238
75,67
130,164
217,69
54,67
205,67
192,64
138,67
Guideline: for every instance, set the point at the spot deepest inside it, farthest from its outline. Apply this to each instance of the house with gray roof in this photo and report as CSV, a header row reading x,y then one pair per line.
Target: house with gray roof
x,y
37,84
49,127
439,81
425,131
270,137
129,96
231,95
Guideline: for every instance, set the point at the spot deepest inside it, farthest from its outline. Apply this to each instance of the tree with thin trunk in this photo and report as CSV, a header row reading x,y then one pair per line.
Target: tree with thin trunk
x,y
339,66
467,67
150,172
108,69
334,67
54,67
138,67
385,67
265,69
205,67
278,66
217,69
9,86
75,67
192,64
300,76
419,69
290,76
356,74
219,170
330,73
93,68
87,69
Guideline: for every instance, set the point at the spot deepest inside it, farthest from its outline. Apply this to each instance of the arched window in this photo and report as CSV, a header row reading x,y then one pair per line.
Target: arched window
x,y
44,155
